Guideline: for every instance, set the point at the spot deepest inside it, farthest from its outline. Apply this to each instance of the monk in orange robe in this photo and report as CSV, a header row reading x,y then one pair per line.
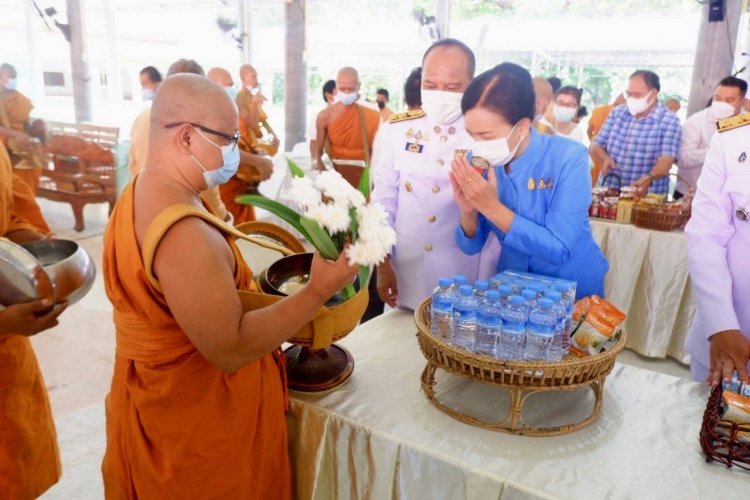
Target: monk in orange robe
x,y
29,459
197,404
346,130
255,166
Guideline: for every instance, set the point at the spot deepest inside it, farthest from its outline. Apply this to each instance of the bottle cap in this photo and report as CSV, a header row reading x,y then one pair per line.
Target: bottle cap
x,y
481,285
444,282
517,300
493,295
529,294
466,290
545,303
459,279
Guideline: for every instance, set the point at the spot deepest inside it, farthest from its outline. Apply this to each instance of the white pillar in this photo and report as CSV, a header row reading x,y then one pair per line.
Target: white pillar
x,y
245,26
714,54
443,17
79,64
36,73
114,74
295,73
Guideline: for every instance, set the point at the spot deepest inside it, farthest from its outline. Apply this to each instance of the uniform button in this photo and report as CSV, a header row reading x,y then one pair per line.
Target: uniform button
x,y
440,162
428,248
435,189
431,218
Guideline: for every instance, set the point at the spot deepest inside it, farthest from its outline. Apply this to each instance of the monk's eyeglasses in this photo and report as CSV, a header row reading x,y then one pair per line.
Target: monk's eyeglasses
x,y
233,138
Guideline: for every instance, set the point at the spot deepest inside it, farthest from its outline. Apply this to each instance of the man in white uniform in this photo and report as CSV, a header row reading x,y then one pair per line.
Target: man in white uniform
x,y
719,256
412,158
701,127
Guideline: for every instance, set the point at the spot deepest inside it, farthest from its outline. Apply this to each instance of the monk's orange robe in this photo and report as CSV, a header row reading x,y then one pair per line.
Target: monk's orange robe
x,y
17,108
250,132
231,190
29,458
25,204
177,426
346,141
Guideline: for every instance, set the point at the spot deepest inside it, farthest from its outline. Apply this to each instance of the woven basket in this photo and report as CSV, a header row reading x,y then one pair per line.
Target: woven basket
x,y
661,219
719,438
519,377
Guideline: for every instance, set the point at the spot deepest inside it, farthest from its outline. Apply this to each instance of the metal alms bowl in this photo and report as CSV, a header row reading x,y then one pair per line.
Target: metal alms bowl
x,y
56,270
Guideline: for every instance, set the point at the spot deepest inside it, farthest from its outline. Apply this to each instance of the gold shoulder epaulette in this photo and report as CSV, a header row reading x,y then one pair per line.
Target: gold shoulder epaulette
x,y
733,122
406,115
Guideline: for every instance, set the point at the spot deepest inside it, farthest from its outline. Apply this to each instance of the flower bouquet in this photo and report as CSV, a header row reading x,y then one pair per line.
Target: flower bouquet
x,y
331,214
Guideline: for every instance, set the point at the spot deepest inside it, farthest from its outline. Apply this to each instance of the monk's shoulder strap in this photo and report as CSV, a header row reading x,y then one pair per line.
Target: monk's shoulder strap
x,y
733,122
407,115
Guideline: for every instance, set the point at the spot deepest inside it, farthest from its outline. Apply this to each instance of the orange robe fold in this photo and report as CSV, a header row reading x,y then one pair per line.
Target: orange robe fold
x,y
231,190
177,426
18,109
345,134
26,206
29,458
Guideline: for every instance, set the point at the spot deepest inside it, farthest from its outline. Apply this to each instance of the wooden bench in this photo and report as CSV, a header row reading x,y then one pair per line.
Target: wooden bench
x,y
82,167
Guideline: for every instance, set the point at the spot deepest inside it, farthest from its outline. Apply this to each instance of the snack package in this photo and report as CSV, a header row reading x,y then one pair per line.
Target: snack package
x,y
598,326
735,408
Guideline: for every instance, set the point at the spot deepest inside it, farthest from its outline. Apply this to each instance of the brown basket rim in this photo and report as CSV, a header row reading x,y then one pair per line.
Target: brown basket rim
x,y
569,362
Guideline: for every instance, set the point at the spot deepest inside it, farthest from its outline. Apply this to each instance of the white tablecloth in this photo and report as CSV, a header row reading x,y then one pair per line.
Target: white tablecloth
x,y
379,437
648,278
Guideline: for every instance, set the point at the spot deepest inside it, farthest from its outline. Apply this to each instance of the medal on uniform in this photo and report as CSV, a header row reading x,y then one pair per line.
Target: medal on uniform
x,y
443,138
418,135
742,158
531,185
436,129
410,133
414,147
407,186
451,130
741,214
541,184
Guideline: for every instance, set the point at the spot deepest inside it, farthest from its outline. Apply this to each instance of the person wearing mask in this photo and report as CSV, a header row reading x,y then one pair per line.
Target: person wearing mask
x,y
412,159
382,98
413,90
644,122
346,130
534,196
718,237
562,115
700,127
150,79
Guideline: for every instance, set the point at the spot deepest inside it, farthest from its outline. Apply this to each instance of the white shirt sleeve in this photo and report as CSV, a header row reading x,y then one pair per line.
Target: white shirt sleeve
x,y
386,178
693,149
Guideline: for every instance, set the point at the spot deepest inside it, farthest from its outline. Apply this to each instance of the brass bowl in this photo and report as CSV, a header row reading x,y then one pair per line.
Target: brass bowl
x,y
293,268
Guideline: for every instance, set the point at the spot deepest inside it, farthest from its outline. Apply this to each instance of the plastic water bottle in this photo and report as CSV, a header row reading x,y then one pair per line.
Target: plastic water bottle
x,y
530,296
510,344
442,310
540,331
488,324
517,286
537,287
458,281
497,281
480,290
465,318
557,351
506,293
568,298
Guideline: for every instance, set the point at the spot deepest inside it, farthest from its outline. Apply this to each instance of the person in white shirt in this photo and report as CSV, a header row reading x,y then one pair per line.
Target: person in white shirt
x,y
329,89
700,128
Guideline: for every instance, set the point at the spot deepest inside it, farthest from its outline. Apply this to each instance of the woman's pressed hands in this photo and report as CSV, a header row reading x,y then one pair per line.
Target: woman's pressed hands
x,y
472,192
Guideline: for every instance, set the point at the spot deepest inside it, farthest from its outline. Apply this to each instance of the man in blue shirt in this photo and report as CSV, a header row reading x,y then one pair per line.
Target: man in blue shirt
x,y
640,141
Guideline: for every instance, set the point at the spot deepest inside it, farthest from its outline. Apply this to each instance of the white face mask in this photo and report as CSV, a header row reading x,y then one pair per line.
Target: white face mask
x,y
636,106
722,109
148,94
442,107
253,90
496,151
11,84
347,99
230,155
563,114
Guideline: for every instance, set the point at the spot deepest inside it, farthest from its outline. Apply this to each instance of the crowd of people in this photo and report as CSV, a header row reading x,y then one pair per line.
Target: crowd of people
x,y
479,174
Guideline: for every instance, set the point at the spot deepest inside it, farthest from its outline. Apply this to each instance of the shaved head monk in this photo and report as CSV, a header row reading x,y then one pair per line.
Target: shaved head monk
x,y
346,130
29,458
197,404
543,93
255,166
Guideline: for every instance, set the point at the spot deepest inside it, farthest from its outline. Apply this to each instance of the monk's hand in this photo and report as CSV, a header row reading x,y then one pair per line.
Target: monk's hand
x,y
328,277
730,351
480,194
387,284
265,168
30,318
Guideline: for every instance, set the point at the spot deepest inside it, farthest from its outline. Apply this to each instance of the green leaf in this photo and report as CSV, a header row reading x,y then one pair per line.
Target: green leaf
x,y
294,168
364,182
282,211
353,224
364,275
320,239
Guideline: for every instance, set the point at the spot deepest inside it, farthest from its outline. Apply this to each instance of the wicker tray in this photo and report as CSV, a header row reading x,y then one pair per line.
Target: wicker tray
x,y
719,438
520,378
660,219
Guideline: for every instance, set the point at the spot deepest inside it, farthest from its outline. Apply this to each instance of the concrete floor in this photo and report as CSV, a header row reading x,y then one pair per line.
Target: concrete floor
x,y
77,362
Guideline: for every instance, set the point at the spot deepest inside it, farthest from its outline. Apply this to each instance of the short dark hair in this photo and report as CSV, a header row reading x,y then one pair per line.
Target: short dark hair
x,y
555,82
452,42
571,91
582,112
733,81
153,73
413,88
328,88
383,92
506,90
651,78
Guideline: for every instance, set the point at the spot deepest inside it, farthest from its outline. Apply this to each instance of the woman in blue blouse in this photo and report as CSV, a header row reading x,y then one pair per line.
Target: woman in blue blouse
x,y
536,196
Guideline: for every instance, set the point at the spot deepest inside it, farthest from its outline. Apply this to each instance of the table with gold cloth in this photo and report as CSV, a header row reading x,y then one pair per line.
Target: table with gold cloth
x,y
648,278
378,436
